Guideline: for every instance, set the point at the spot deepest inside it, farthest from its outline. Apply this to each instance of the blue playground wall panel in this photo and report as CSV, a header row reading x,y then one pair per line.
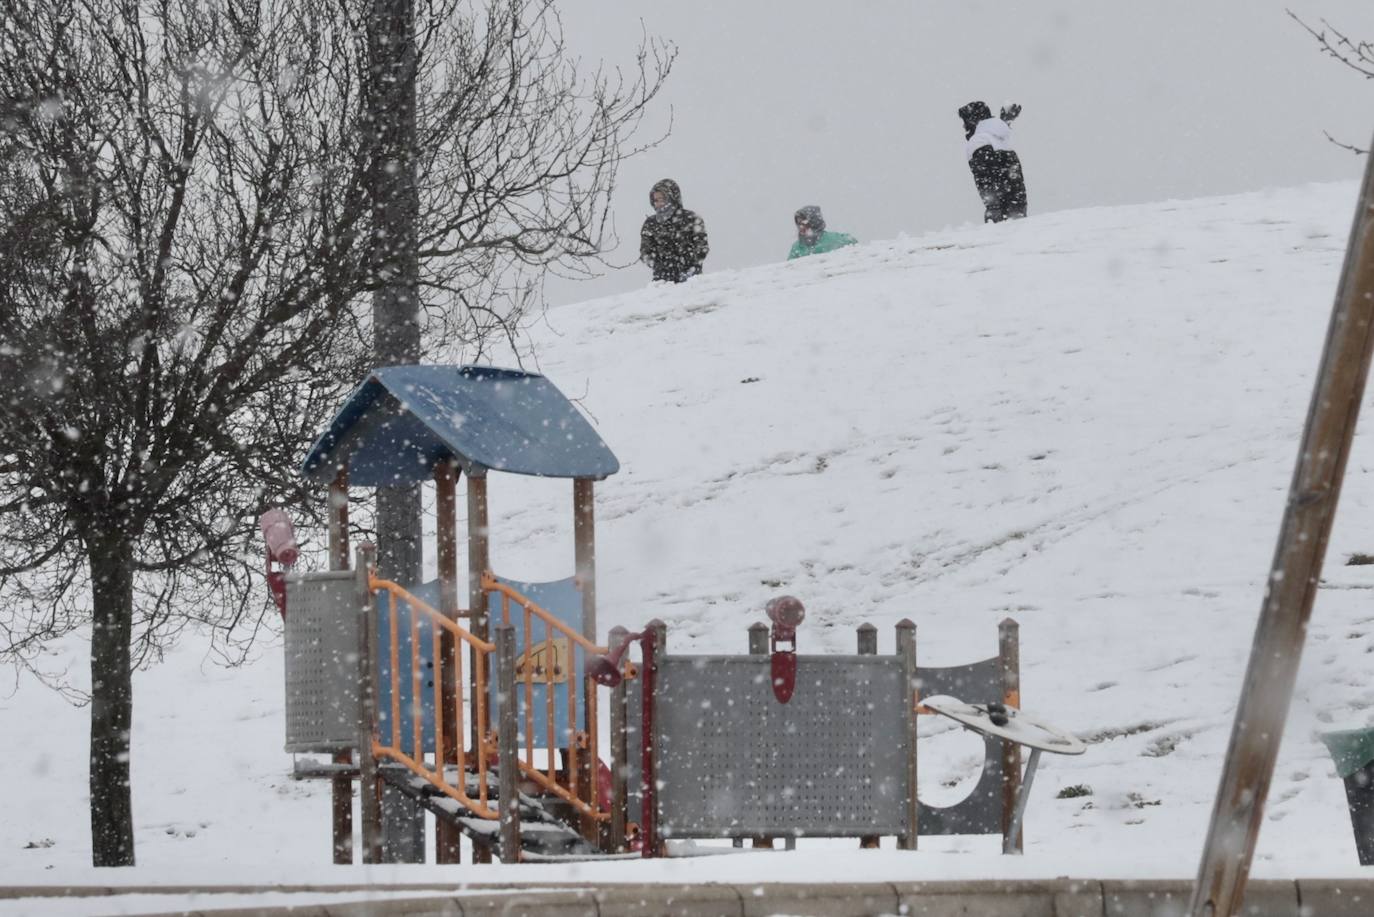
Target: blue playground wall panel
x,y
562,599
429,594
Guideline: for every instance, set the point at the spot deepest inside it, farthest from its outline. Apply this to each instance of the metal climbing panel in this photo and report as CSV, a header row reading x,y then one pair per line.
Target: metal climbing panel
x,y
321,662
832,762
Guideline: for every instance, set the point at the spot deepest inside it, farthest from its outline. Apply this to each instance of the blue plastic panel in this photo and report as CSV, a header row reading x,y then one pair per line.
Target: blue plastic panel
x,y
563,600
429,594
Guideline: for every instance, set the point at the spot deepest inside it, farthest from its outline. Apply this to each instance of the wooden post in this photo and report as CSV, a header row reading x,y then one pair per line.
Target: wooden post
x,y
620,722
447,848
758,639
338,520
508,745
369,790
584,552
655,646
1009,657
1292,582
341,788
588,758
758,646
868,646
906,648
479,562
584,567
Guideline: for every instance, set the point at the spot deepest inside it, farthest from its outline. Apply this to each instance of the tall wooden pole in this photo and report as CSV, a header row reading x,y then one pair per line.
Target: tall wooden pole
x,y
446,834
341,788
1292,581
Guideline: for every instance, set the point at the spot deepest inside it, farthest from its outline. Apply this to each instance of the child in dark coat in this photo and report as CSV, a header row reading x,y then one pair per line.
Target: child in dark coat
x,y
995,166
672,241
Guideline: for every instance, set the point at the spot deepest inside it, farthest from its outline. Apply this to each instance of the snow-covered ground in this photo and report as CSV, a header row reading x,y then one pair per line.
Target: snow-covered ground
x,y
1086,421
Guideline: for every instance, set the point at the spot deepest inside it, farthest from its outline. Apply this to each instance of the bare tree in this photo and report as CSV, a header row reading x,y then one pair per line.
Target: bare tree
x,y
186,254
1357,55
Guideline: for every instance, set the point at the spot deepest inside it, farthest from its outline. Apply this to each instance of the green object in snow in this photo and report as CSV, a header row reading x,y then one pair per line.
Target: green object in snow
x,y
826,242
1351,749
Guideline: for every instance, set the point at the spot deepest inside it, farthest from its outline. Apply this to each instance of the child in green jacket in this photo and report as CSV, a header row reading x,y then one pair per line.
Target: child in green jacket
x,y
812,237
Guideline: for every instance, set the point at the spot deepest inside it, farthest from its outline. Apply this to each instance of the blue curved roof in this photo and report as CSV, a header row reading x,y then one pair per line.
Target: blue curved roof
x,y
403,420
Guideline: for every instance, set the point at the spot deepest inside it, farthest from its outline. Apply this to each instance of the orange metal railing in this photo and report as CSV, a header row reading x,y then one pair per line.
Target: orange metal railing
x,y
453,720
446,722
580,743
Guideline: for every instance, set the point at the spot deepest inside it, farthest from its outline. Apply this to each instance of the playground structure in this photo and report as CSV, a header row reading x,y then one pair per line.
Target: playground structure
x,y
487,716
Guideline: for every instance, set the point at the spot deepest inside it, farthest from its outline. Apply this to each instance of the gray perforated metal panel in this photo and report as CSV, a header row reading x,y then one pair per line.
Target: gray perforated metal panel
x,y
980,812
321,662
732,760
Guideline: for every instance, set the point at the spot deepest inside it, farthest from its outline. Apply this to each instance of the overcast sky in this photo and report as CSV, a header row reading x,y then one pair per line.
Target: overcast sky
x,y
851,105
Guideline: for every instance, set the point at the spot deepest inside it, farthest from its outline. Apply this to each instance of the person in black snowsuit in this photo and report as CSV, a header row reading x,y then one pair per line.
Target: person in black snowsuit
x,y
995,166
673,240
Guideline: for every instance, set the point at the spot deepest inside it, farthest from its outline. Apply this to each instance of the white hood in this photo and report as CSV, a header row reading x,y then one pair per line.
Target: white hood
x,y
993,132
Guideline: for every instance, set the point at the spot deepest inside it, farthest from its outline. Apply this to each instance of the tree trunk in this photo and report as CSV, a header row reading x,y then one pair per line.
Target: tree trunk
x,y
112,702
396,320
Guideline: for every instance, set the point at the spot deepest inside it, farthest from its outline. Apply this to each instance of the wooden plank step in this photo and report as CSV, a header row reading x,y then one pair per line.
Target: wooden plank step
x,y
541,833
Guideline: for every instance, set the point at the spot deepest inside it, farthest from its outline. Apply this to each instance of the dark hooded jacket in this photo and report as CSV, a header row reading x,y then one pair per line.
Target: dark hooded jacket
x,y
972,114
673,240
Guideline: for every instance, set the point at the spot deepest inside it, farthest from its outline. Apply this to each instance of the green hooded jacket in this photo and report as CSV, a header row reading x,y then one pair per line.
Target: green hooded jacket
x,y
827,242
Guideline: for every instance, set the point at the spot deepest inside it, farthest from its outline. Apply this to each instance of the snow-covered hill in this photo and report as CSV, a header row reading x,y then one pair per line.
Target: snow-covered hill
x,y
1085,421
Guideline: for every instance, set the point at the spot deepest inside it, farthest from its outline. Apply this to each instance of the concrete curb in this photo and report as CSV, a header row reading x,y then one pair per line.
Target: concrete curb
x,y
979,898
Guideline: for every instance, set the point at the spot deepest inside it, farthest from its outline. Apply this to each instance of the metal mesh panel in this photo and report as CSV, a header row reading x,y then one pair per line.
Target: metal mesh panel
x,y
321,662
831,762
976,683
727,797
980,812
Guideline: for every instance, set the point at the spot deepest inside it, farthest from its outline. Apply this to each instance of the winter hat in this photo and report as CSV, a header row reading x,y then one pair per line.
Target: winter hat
x,y
669,189
971,114
810,215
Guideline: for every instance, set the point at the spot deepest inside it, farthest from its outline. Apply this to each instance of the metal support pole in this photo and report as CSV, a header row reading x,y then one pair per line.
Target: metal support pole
x,y
340,788
1022,797
906,648
1009,656
369,802
508,745
1292,581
